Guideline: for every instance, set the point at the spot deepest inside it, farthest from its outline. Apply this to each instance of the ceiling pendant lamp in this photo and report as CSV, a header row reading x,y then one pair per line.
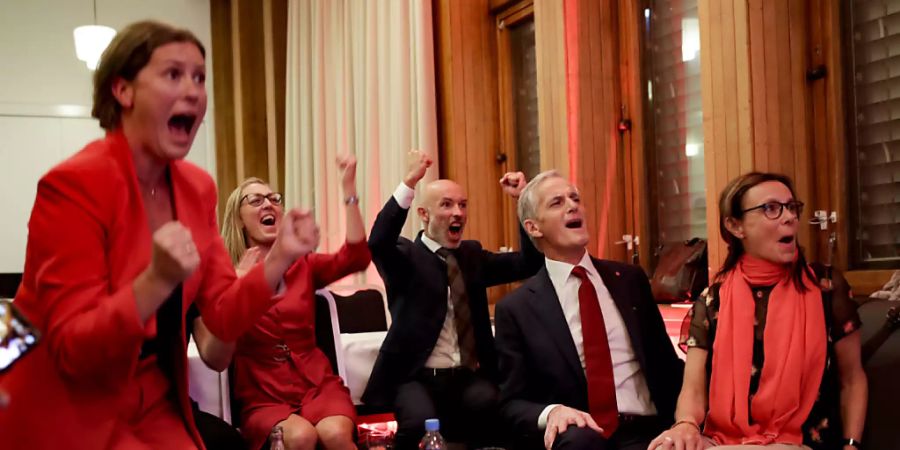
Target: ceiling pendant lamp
x,y
91,40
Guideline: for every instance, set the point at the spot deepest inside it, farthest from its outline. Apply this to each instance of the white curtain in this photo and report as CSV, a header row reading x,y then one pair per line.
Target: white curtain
x,y
360,79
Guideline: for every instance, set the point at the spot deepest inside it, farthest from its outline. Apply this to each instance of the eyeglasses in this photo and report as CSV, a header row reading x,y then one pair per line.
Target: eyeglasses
x,y
774,210
255,200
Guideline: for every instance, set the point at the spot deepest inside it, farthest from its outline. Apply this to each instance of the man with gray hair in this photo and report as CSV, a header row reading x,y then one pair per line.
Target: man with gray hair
x,y
585,361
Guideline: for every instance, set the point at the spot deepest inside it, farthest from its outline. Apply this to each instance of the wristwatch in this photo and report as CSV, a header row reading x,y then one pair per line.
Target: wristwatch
x,y
351,200
852,442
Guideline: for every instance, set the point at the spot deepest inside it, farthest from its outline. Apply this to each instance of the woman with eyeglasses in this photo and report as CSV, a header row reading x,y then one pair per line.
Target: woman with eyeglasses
x,y
773,357
122,240
281,377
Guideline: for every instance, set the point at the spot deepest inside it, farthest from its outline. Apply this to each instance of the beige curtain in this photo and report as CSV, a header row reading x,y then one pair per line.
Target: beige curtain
x,y
360,79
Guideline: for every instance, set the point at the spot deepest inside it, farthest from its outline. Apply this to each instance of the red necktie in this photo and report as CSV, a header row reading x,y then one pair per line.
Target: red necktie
x,y
597,360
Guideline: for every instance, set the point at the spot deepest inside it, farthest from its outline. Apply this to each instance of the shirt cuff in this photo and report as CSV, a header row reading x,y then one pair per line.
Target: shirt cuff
x,y
404,195
542,419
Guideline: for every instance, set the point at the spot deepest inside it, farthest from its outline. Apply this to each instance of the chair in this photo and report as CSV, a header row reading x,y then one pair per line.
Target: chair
x,y
351,323
883,371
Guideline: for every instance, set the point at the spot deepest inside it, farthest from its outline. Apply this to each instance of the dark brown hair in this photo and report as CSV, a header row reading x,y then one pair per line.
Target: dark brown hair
x,y
125,56
730,206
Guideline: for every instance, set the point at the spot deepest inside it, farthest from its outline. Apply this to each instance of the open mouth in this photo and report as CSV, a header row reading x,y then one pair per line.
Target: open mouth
x,y
182,123
455,228
267,220
789,239
574,223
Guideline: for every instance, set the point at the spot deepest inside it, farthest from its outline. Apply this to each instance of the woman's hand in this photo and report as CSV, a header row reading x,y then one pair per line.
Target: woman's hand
x,y
347,166
174,255
297,236
252,256
682,436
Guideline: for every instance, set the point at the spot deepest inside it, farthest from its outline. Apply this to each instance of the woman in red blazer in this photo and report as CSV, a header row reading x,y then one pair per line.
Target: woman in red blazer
x,y
280,376
122,239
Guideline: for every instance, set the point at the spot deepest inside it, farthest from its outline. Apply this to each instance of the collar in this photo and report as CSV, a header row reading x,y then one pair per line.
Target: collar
x,y
560,271
430,243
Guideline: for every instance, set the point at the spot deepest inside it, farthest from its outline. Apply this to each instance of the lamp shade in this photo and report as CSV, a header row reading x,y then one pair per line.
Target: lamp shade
x,y
90,41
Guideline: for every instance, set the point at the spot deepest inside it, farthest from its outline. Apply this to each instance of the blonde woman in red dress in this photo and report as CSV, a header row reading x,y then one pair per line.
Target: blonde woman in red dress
x,y
281,377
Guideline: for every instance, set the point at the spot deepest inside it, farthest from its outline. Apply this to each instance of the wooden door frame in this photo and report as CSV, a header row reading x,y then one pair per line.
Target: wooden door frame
x,y
512,15
829,97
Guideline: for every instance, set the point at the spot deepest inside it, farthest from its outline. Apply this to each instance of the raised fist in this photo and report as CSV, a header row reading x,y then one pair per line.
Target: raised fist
x,y
513,183
418,162
174,255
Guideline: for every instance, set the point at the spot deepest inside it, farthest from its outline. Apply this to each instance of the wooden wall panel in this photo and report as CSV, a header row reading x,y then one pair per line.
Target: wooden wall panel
x,y
727,108
249,44
469,124
551,65
594,100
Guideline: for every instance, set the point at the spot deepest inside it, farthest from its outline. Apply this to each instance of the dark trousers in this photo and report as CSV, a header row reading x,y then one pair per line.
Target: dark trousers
x,y
464,401
633,433
216,433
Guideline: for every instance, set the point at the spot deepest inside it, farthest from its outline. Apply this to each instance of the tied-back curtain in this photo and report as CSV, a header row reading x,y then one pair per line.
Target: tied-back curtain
x,y
360,79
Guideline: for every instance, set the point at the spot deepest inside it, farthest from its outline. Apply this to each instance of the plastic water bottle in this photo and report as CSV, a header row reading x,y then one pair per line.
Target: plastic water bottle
x,y
432,439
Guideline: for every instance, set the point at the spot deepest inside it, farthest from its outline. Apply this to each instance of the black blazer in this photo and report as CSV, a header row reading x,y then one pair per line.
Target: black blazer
x,y
415,279
539,363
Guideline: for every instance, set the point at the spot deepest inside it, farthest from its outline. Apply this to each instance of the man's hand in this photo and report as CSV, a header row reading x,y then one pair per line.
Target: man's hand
x,y
418,162
513,183
561,417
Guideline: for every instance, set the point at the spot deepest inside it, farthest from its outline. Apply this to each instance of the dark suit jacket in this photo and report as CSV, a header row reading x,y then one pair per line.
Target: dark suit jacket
x,y
539,363
415,279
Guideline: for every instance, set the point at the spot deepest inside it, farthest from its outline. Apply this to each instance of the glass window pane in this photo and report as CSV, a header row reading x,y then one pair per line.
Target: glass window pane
x,y
524,85
873,41
675,128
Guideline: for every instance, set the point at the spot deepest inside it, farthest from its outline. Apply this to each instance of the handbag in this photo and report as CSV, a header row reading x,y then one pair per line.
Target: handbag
x,y
681,272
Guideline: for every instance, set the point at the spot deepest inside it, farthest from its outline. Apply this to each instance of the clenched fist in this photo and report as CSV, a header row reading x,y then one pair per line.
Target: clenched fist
x,y
513,183
418,162
347,166
174,256
297,236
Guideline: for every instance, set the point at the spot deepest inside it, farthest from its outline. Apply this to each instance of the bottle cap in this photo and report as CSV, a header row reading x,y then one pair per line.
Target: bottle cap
x,y
432,425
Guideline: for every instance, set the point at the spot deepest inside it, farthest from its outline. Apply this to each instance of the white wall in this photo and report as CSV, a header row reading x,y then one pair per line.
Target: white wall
x,y
45,95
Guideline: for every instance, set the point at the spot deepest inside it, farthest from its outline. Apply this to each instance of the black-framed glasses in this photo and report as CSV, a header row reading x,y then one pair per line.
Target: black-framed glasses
x,y
255,200
774,210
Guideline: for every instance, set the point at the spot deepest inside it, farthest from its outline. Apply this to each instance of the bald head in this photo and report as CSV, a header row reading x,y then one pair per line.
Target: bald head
x,y
443,211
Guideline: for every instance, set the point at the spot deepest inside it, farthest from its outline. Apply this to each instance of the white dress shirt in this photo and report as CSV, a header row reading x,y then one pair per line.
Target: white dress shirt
x,y
446,350
632,393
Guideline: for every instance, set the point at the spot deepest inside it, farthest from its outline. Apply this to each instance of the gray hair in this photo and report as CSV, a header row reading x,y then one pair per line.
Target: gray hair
x,y
527,205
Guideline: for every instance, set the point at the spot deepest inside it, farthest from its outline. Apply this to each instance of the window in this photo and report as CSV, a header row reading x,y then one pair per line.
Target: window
x,y
675,120
873,49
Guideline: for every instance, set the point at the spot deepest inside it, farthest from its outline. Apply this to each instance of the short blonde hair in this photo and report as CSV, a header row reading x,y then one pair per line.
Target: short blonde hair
x,y
233,231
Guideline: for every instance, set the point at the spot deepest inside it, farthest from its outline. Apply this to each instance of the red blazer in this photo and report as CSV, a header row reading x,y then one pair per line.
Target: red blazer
x,y
88,238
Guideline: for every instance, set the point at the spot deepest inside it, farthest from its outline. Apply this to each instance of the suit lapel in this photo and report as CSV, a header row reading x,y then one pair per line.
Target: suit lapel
x,y
189,215
622,295
545,304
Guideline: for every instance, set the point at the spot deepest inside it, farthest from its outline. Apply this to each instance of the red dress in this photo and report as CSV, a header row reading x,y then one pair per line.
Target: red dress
x,y
279,371
84,385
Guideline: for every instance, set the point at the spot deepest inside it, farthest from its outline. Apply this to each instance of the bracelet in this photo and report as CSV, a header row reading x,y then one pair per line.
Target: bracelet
x,y
351,200
688,422
852,442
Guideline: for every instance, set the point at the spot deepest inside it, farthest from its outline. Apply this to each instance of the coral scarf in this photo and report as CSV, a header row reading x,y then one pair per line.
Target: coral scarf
x,y
794,345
